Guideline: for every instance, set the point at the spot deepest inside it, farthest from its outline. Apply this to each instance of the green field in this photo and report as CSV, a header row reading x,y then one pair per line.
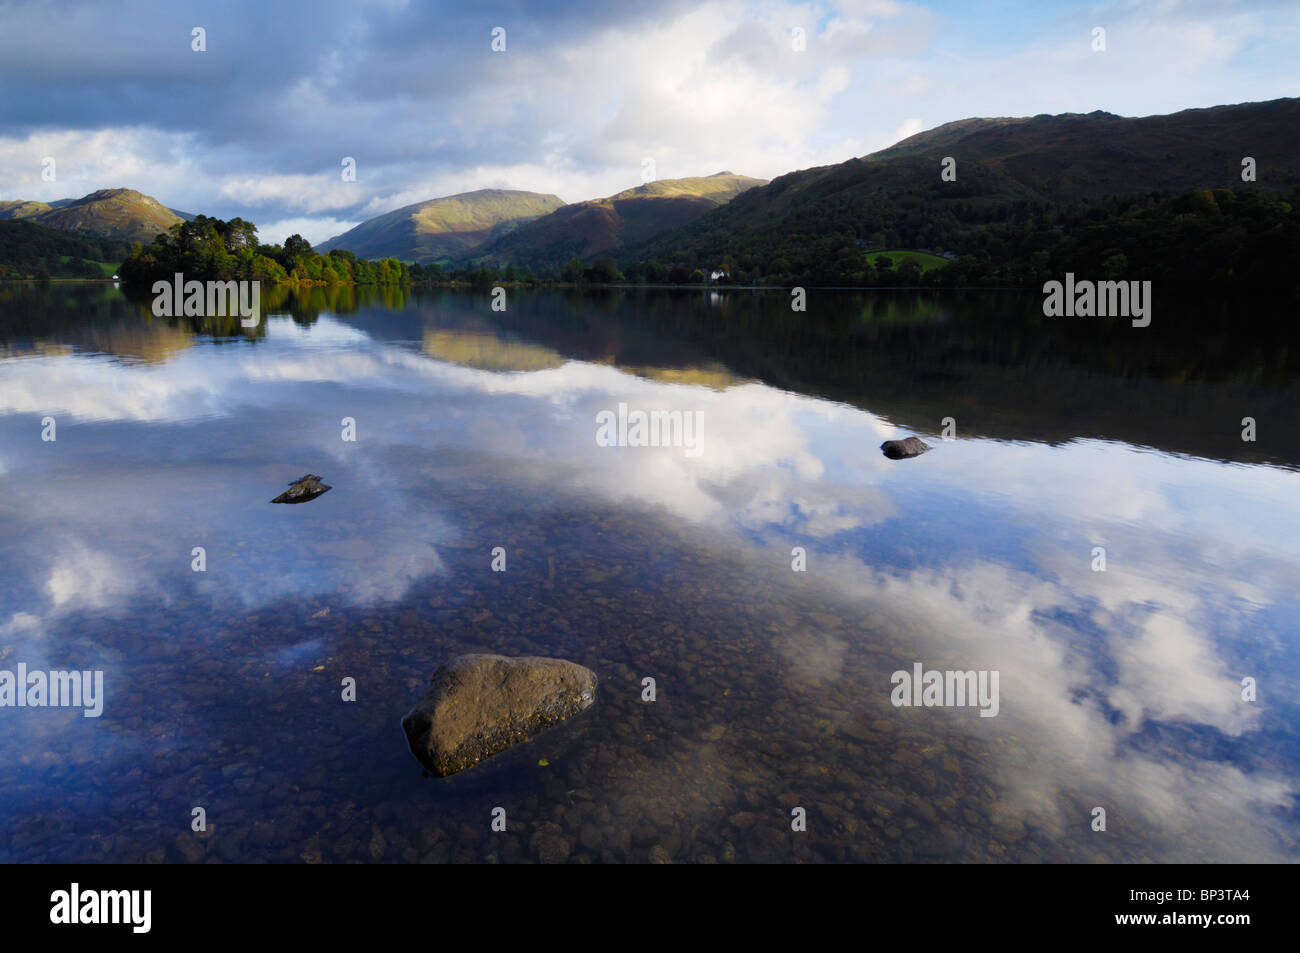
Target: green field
x,y
108,267
926,261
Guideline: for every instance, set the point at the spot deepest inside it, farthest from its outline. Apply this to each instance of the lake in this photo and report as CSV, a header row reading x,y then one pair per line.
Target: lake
x,y
1090,526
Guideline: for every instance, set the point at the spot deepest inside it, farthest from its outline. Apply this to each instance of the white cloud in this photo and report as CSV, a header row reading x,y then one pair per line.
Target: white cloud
x,y
699,88
315,230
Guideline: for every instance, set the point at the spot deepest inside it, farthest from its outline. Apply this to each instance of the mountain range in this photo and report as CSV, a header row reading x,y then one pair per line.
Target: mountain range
x,y
497,227
1010,179
586,230
444,228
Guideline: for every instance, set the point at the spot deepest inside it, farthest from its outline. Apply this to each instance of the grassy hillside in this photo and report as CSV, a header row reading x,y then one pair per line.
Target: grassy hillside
x,y
21,208
107,269
1039,174
599,227
445,228
115,215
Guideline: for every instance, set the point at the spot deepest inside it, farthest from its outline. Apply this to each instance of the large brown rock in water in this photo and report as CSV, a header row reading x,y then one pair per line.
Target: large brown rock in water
x,y
479,705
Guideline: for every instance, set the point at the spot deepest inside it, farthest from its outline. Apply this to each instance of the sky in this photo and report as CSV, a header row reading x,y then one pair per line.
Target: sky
x,y
584,100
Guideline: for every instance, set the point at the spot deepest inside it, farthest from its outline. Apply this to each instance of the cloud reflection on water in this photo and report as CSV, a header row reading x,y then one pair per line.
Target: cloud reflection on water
x,y
979,552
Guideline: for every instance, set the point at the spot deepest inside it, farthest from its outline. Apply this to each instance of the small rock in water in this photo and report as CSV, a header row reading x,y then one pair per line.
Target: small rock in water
x,y
480,705
908,447
303,489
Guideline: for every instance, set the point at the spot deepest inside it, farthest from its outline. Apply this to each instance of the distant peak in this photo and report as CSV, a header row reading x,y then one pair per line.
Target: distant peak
x,y
102,194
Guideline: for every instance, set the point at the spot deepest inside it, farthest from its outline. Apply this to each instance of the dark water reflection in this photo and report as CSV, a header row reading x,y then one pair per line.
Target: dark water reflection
x,y
1118,689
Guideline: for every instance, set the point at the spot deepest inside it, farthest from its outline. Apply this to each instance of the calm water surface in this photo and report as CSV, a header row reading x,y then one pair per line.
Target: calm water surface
x,y
1119,689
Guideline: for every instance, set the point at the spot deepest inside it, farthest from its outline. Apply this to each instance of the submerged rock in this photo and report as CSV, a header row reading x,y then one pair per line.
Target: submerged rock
x,y
303,489
907,447
480,705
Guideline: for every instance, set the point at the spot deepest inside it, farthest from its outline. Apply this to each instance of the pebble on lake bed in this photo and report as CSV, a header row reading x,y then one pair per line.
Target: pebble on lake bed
x,y
480,705
907,447
303,489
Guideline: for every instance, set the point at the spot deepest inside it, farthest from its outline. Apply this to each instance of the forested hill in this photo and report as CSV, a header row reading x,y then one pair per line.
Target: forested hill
x,y
28,250
1018,187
